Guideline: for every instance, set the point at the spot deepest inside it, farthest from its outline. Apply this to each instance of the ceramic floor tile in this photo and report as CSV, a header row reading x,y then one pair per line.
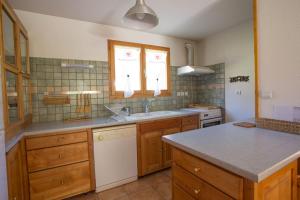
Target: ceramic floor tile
x,y
113,194
164,189
155,179
152,187
137,186
149,194
88,196
168,172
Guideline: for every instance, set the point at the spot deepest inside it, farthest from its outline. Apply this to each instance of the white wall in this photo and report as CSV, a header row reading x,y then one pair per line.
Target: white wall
x,y
279,57
233,46
56,37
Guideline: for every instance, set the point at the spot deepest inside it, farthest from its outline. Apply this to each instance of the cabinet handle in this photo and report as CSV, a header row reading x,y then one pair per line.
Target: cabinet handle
x,y
15,198
59,155
61,182
196,169
196,191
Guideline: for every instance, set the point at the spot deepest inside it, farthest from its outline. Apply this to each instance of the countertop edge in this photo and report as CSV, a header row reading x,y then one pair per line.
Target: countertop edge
x,y
9,145
234,169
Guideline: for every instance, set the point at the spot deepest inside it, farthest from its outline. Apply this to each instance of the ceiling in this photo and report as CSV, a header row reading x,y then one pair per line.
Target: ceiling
x,y
190,19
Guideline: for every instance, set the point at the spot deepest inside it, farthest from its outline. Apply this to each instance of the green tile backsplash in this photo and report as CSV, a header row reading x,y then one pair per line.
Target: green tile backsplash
x,y
47,75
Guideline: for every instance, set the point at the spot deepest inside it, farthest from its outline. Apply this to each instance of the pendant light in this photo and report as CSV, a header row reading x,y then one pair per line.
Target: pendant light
x,y
140,16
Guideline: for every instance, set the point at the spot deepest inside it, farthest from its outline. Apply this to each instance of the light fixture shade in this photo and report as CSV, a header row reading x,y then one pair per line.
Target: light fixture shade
x,y
140,16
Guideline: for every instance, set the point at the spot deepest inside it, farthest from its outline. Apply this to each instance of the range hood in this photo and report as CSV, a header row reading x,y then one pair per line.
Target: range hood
x,y
190,68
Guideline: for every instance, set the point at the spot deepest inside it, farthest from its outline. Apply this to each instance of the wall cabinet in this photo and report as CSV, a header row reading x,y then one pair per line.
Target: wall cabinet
x,y
16,189
14,58
153,153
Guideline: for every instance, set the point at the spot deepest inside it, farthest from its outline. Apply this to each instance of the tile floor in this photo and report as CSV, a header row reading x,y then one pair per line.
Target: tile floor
x,y
152,187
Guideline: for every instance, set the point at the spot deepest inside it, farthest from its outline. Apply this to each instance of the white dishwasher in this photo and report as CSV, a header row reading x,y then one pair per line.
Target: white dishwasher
x,y
115,152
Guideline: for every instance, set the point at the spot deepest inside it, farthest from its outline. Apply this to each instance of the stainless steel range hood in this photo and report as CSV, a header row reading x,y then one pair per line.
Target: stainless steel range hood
x,y
190,68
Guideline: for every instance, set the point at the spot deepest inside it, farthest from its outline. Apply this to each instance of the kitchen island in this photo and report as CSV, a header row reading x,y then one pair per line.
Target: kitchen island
x,y
230,162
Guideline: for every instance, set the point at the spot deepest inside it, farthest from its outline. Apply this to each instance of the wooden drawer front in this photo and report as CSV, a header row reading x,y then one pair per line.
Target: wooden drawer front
x,y
196,187
180,194
57,156
160,125
61,182
190,123
55,140
221,179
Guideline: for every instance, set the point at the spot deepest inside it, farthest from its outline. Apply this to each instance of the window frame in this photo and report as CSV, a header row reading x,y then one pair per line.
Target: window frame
x,y
143,92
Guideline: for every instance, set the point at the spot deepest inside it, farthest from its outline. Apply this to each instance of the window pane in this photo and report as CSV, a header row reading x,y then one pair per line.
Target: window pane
x,y
12,96
8,37
26,97
23,46
127,63
156,69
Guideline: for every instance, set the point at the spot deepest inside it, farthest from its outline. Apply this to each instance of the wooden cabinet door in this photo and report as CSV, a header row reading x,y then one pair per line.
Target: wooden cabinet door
x,y
281,185
167,151
15,174
151,151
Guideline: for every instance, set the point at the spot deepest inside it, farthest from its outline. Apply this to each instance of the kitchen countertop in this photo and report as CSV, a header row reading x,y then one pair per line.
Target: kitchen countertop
x,y
52,127
252,153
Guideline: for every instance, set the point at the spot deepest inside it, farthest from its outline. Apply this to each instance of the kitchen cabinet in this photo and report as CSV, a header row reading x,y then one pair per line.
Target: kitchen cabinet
x,y
153,153
60,165
24,58
194,178
8,27
12,97
16,181
167,150
14,58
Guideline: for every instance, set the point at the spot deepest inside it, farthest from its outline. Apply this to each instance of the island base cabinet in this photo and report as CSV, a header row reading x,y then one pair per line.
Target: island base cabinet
x,y
282,185
196,179
180,194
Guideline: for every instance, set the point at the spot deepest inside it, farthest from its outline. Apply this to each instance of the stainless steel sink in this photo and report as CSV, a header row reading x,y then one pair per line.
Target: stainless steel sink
x,y
149,115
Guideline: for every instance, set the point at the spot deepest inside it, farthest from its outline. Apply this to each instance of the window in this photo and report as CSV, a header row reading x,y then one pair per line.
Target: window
x,y
138,70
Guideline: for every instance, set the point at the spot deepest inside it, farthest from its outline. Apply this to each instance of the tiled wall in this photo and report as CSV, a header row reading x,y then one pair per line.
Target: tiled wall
x,y
211,87
47,75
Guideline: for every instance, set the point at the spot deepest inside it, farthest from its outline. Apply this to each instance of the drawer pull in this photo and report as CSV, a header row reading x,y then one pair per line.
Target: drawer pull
x,y
196,169
196,191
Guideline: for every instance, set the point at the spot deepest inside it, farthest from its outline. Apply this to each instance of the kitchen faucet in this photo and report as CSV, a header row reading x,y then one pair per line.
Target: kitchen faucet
x,y
147,105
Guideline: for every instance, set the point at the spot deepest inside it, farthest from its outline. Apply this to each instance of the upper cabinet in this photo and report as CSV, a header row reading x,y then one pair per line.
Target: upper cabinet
x,y
8,27
24,53
12,97
16,91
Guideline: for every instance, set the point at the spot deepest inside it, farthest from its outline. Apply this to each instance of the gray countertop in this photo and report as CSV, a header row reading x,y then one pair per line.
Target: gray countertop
x,y
252,153
52,127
